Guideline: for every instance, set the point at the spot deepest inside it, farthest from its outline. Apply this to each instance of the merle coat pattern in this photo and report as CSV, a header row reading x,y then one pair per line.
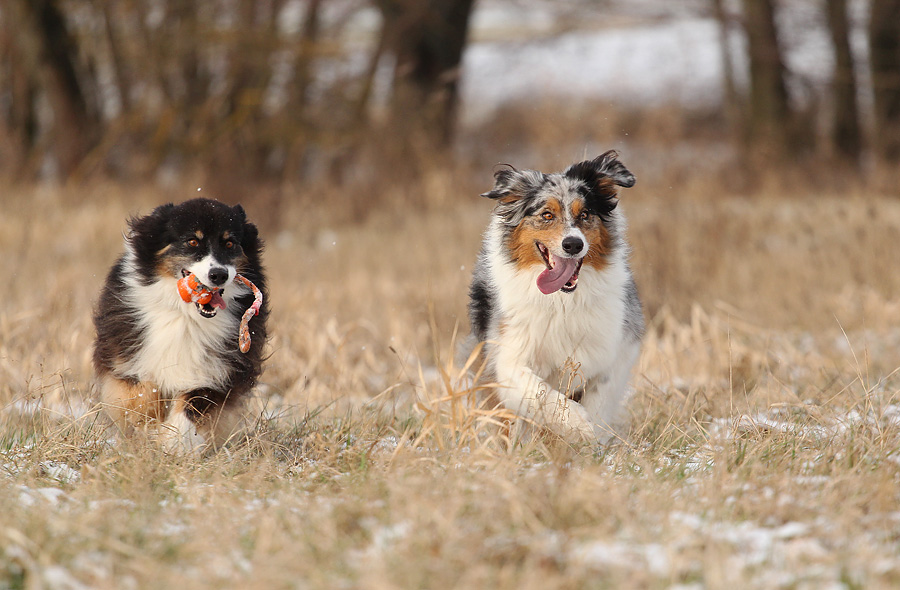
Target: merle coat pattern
x,y
561,350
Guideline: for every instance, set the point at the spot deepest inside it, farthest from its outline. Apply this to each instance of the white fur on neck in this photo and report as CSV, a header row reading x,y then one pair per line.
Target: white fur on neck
x,y
180,350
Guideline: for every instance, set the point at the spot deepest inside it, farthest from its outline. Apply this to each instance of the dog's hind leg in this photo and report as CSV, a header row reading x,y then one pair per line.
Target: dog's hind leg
x,y
131,403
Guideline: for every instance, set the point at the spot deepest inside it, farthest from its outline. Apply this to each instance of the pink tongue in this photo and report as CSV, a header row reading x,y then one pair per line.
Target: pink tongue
x,y
552,279
217,300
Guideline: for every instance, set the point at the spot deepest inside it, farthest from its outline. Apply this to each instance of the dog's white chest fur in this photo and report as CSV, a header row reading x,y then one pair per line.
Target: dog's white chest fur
x,y
545,348
179,348
548,331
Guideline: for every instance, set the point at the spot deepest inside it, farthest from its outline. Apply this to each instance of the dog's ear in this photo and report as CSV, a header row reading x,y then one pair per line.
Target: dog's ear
x,y
250,237
250,242
239,213
511,185
152,229
149,234
602,171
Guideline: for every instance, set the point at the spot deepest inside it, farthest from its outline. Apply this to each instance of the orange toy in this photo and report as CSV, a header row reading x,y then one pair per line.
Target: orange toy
x,y
193,291
244,335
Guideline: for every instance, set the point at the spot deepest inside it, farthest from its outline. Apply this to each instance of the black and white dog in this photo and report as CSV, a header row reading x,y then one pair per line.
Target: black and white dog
x,y
169,366
553,298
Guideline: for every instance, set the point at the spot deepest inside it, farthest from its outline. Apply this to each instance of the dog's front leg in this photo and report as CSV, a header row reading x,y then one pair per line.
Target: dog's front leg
x,y
200,419
531,397
183,432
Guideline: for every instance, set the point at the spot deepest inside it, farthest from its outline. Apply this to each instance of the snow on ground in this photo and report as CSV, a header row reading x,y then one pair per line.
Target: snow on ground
x,y
770,553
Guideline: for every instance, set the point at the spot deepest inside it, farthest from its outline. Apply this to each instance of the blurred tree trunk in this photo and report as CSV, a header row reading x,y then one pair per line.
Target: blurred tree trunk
x,y
309,38
20,122
244,141
771,120
731,101
884,47
427,38
116,53
299,99
47,46
846,131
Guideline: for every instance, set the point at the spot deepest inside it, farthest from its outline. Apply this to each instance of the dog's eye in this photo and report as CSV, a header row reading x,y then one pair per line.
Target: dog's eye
x,y
229,244
547,215
193,243
583,216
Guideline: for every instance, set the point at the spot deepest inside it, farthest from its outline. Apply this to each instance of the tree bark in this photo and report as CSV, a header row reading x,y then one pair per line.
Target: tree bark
x,y
46,40
770,118
846,130
20,118
427,38
116,54
730,100
884,45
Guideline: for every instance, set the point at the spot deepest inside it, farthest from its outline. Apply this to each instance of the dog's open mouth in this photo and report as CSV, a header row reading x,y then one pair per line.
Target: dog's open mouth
x,y
216,302
561,273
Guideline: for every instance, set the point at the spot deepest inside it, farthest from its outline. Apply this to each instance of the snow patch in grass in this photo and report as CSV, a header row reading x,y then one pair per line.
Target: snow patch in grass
x,y
59,578
602,555
60,472
29,497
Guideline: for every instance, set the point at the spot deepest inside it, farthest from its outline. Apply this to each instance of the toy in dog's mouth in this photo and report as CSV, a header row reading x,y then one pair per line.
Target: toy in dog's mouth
x,y
561,273
208,300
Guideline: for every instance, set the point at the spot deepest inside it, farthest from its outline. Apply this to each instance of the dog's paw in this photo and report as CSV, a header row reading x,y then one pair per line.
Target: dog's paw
x,y
179,436
568,419
578,425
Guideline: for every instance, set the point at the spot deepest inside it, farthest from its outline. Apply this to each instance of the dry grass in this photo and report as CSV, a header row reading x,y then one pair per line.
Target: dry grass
x,y
764,451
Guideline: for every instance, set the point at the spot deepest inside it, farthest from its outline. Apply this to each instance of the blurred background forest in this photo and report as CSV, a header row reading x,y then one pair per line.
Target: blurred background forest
x,y
284,95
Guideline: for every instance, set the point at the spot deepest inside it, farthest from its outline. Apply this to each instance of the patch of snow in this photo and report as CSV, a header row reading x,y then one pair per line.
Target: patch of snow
x,y
60,472
385,536
651,557
94,505
70,407
29,497
772,420
173,529
59,578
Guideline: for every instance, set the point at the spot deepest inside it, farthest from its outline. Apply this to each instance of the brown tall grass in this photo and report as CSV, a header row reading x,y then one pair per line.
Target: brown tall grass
x,y
763,452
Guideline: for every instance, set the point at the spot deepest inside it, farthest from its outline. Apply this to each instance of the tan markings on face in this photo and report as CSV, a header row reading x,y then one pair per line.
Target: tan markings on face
x,y
199,234
597,237
537,229
162,267
172,265
226,235
577,208
241,264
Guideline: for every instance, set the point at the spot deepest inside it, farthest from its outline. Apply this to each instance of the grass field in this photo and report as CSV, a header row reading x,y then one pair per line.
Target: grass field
x,y
764,452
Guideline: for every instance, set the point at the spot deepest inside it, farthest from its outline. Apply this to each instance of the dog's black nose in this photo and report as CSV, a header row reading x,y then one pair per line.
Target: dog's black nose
x,y
572,245
218,275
